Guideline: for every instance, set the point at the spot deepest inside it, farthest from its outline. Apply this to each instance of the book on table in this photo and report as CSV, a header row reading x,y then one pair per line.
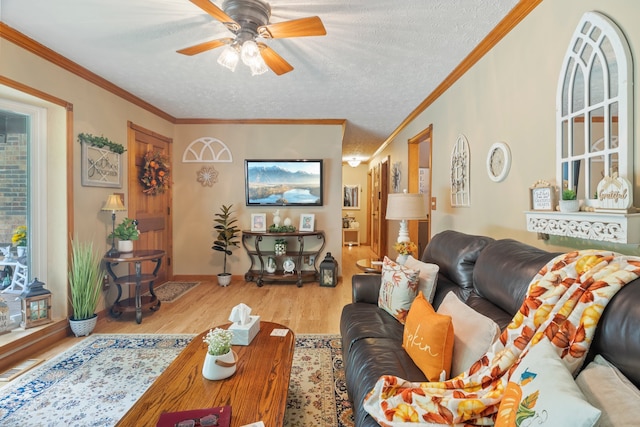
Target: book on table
x,y
217,416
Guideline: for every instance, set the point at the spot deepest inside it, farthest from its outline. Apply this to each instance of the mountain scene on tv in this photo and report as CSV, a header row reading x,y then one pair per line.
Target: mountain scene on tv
x,y
284,183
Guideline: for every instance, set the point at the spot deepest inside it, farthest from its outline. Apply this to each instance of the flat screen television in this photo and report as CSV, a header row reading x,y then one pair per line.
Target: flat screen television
x,y
283,182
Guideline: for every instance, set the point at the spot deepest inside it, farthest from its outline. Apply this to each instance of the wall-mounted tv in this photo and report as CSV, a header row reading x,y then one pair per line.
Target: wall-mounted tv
x,y
283,182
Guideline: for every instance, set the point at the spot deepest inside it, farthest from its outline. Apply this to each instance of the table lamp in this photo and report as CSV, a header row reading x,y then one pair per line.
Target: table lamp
x,y
113,204
405,206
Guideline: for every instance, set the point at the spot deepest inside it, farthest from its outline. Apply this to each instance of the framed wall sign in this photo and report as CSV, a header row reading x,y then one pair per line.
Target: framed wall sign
x,y
543,196
351,197
307,222
101,167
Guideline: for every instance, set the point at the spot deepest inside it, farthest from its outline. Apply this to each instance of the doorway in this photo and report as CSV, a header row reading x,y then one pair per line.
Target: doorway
x,y
420,147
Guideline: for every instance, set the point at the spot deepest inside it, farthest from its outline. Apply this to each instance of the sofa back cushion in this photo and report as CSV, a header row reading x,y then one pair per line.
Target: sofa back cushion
x,y
456,254
504,270
617,338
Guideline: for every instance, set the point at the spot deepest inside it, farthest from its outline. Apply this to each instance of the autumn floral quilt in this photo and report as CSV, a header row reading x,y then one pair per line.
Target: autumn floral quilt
x,y
563,305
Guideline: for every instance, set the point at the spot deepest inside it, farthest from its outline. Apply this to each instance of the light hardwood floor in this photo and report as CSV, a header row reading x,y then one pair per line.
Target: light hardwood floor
x,y
311,309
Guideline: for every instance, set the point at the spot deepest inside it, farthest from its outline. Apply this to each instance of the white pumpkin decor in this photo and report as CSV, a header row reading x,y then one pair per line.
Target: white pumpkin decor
x,y
614,194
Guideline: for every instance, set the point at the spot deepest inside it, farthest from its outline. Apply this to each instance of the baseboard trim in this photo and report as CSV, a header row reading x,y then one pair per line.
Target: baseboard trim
x,y
22,348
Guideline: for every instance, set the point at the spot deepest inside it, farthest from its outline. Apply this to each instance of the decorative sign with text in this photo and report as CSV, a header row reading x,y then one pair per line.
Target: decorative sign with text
x,y
543,196
614,194
101,167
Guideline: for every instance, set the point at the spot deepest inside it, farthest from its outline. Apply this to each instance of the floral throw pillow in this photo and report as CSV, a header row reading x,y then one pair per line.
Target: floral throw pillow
x,y
541,391
398,289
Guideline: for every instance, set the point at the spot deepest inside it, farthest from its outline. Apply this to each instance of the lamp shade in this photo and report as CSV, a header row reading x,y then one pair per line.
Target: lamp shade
x,y
113,204
405,206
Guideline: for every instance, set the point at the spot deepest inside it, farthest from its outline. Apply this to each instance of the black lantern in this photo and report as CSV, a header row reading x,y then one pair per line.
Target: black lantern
x,y
36,305
328,271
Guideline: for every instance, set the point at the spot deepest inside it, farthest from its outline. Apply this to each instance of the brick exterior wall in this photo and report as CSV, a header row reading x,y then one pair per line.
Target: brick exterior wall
x,y
13,185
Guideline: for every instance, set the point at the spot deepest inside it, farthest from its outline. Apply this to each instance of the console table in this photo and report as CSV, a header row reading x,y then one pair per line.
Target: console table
x,y
138,302
260,246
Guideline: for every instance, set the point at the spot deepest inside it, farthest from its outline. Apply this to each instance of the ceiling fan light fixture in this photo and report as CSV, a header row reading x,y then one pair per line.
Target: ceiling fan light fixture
x,y
354,163
250,52
229,58
258,67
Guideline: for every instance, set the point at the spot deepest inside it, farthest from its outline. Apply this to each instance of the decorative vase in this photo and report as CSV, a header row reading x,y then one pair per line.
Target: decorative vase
x,y
224,279
402,258
22,251
219,367
82,328
125,246
271,265
280,248
569,205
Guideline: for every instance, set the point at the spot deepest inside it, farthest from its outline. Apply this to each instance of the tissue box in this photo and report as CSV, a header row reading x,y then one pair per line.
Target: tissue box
x,y
244,334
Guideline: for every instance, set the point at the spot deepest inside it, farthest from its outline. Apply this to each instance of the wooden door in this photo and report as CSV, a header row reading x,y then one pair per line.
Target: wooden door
x,y
153,211
378,195
420,149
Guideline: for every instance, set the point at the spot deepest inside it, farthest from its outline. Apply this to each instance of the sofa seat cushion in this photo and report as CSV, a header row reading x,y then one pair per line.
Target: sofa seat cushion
x,y
362,320
368,360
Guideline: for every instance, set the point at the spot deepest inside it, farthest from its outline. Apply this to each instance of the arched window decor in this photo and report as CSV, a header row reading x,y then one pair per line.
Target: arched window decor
x,y
207,150
594,104
460,192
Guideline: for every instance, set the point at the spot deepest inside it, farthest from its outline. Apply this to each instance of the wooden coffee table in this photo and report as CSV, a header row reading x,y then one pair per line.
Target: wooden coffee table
x,y
257,391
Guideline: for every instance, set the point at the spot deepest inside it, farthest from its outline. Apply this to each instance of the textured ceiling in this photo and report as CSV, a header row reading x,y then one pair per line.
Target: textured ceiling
x,y
379,60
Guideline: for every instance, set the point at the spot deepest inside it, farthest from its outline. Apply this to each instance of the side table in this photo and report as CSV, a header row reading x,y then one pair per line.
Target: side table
x,y
369,266
138,302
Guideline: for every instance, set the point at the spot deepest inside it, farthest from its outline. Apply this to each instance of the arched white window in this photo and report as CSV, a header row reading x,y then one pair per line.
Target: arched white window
x,y
594,104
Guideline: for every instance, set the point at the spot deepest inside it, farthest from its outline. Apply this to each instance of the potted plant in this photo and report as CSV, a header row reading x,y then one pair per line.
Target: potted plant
x,y
85,282
404,249
569,202
226,240
220,361
126,232
19,240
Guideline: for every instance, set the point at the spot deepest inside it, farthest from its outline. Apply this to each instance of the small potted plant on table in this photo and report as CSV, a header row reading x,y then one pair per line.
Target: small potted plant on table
x,y
126,232
220,361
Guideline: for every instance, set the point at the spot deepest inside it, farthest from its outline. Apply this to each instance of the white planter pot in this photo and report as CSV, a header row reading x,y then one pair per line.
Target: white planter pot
x,y
569,205
82,328
125,246
219,367
224,279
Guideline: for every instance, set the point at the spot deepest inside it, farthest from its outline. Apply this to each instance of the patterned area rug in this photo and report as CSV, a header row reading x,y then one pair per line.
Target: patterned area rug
x,y
171,291
95,382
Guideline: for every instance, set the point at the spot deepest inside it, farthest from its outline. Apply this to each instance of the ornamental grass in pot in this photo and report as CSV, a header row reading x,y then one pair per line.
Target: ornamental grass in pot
x,y
85,282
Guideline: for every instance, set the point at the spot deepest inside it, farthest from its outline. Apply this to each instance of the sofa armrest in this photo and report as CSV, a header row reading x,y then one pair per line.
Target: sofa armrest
x,y
365,288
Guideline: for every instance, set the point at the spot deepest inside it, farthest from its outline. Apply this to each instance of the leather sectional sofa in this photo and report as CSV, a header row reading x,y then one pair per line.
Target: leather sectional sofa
x,y
491,276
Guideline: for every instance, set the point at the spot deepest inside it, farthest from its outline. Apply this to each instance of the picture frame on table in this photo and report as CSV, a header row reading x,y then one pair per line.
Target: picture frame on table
x,y
542,196
307,222
259,222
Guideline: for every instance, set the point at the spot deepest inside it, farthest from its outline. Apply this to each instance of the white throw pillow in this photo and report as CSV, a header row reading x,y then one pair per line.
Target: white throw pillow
x,y
606,388
398,289
473,333
541,391
428,276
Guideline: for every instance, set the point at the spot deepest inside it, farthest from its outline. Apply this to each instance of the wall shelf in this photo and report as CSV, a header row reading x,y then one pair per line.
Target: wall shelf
x,y
600,226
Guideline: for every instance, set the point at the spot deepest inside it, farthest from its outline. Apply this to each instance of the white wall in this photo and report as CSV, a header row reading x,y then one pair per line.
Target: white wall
x,y
510,96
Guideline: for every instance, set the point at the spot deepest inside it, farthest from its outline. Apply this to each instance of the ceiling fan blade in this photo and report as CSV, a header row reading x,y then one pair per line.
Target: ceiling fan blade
x,y
203,47
217,13
274,61
303,27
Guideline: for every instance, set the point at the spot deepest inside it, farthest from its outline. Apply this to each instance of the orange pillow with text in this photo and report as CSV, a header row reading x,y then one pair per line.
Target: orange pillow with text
x,y
428,339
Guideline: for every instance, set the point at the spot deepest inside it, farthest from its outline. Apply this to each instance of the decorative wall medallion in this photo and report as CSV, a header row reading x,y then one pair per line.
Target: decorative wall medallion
x,y
498,161
207,176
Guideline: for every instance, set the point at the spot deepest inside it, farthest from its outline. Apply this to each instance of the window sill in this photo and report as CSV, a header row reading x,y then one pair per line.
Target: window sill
x,y
605,227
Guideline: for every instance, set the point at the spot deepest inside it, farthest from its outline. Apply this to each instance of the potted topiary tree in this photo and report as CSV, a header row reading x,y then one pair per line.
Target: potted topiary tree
x,y
85,282
226,240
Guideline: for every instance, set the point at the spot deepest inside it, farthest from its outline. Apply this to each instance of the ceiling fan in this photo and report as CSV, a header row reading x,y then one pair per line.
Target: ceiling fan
x,y
247,20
